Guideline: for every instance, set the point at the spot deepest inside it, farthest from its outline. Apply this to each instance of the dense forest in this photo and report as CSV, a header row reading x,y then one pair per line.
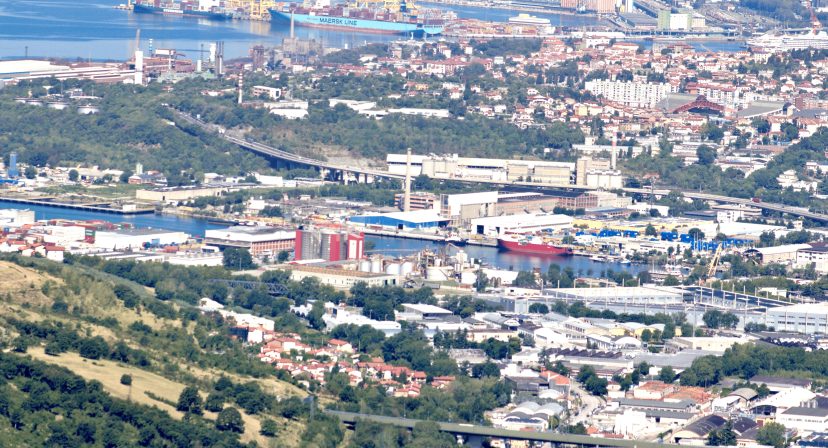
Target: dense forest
x,y
132,126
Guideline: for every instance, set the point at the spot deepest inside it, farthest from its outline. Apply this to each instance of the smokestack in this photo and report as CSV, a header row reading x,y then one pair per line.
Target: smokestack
x,y
241,86
291,25
614,154
139,67
407,194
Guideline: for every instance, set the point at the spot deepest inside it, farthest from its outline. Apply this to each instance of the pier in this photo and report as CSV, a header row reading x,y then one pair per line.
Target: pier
x,y
102,207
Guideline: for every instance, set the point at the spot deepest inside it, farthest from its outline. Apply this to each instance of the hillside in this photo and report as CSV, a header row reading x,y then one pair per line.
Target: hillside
x,y
55,313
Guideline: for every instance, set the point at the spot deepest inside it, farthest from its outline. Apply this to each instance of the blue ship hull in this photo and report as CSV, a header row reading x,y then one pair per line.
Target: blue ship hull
x,y
148,9
360,25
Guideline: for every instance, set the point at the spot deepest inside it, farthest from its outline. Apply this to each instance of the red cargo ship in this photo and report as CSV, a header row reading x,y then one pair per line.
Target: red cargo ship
x,y
532,246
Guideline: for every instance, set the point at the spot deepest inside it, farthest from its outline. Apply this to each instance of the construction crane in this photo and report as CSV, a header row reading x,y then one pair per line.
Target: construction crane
x,y
714,263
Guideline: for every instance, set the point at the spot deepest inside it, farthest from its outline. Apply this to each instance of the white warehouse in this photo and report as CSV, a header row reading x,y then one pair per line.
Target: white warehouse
x,y
522,223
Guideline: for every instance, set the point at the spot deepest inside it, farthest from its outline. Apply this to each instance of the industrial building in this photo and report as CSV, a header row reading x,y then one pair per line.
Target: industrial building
x,y
259,240
416,219
807,318
138,238
418,200
521,223
328,245
454,167
16,218
175,195
342,278
785,253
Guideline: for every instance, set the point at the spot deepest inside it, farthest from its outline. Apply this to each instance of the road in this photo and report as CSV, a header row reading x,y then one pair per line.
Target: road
x,y
797,211
475,434
589,404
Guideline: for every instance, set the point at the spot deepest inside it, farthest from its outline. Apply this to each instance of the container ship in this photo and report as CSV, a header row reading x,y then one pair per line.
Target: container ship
x,y
203,9
531,245
388,17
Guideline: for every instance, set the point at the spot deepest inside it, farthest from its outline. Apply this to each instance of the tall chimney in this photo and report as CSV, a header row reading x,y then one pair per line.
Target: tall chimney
x,y
292,35
407,194
241,86
614,154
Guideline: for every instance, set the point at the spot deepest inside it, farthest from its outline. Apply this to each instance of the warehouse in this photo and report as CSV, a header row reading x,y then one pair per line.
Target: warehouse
x,y
417,219
138,238
807,318
259,240
785,253
654,296
521,223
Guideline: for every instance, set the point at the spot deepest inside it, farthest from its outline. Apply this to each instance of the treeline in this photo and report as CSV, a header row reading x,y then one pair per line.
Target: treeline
x,y
49,406
731,182
746,361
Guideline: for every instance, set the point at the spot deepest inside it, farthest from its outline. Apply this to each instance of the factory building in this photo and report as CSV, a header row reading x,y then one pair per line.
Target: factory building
x,y
807,318
417,219
328,245
499,170
419,200
259,240
521,223
341,278
138,238
460,208
175,195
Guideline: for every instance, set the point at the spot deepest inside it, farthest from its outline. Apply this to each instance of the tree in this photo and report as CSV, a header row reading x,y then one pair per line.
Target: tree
x,y
696,233
126,379
481,281
283,256
772,434
214,402
240,259
124,177
525,279
667,374
706,155
94,348
316,313
230,419
190,401
74,175
722,437
30,172
650,230
269,428
538,308
671,280
488,368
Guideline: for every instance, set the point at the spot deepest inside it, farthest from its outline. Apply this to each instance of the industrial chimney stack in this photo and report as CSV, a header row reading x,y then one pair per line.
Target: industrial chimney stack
x,y
241,87
407,194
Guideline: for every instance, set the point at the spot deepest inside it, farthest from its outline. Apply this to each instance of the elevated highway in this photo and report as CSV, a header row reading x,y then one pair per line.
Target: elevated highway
x,y
473,435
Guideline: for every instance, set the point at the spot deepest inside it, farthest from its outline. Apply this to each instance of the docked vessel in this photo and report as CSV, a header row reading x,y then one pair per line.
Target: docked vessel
x,y
368,17
532,245
527,19
780,41
203,9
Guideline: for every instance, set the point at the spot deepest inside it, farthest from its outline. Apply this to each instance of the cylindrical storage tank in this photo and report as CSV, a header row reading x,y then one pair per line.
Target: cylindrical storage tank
x,y
407,268
436,274
376,265
392,269
365,266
